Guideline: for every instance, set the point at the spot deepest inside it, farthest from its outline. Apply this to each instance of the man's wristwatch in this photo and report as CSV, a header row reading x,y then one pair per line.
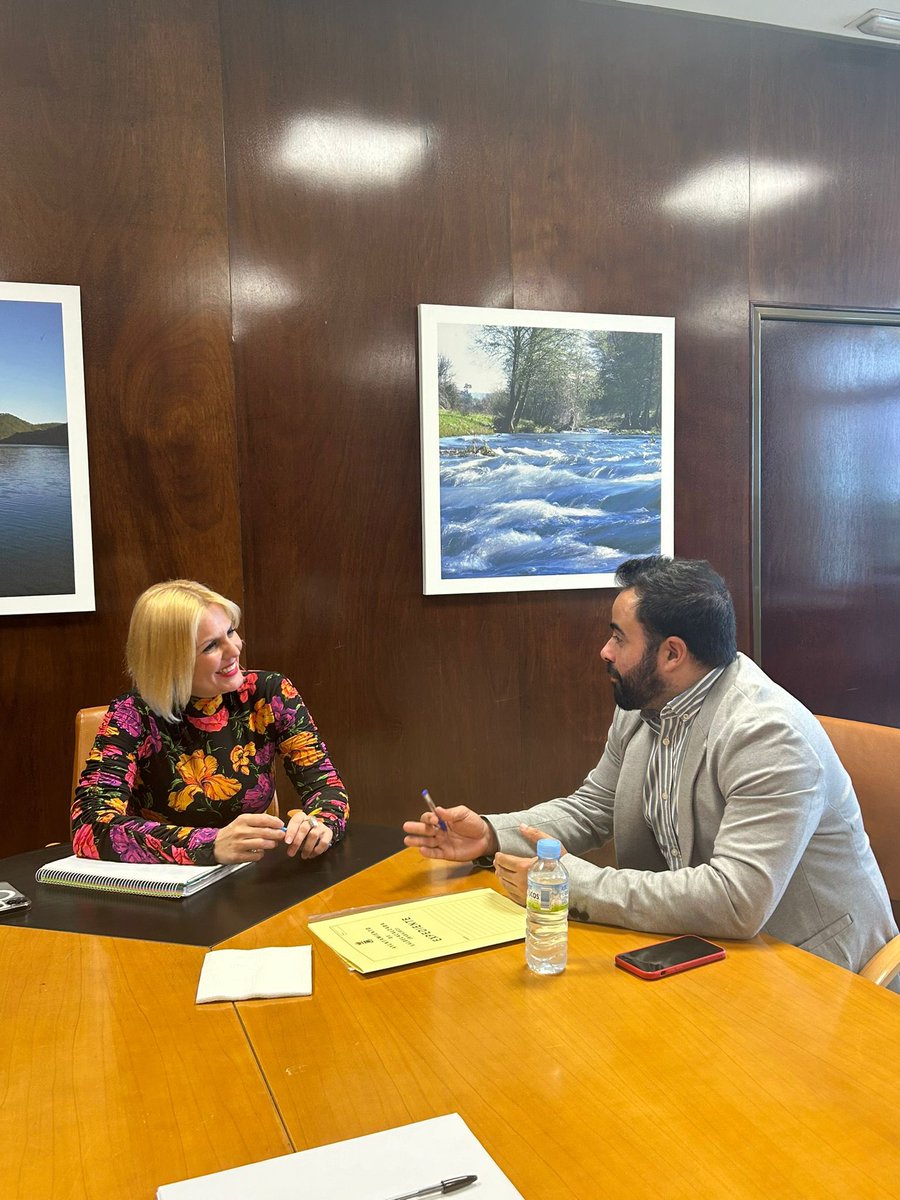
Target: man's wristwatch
x,y
484,860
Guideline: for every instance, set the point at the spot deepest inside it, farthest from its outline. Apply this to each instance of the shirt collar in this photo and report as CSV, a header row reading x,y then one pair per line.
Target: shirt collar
x,y
686,704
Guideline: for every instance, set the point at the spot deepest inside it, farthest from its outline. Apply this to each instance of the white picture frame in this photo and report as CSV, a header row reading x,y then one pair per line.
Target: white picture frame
x,y
45,511
558,498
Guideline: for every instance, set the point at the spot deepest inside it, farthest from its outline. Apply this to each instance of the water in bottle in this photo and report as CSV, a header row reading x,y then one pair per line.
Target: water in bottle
x,y
547,911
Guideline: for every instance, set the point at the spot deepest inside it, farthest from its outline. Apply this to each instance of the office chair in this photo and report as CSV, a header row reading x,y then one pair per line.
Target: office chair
x,y
871,756
885,965
87,722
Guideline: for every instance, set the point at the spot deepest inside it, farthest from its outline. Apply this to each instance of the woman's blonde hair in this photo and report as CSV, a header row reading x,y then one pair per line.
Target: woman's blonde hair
x,y
162,641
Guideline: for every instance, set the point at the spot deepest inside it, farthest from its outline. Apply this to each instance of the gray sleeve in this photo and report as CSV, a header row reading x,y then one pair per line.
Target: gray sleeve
x,y
773,786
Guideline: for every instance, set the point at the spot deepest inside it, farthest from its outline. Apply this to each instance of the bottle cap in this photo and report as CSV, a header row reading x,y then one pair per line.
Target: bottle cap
x,y
548,848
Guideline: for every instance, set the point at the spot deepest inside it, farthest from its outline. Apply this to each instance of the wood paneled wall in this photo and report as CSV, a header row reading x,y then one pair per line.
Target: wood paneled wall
x,y
250,327
111,177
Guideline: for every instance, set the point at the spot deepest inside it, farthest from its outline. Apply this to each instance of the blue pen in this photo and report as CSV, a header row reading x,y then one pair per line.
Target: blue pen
x,y
428,800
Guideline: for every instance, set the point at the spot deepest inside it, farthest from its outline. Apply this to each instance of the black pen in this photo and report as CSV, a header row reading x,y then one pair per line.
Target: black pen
x,y
440,1189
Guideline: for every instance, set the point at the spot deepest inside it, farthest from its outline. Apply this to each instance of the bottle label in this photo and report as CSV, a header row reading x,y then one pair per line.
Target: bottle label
x,y
547,899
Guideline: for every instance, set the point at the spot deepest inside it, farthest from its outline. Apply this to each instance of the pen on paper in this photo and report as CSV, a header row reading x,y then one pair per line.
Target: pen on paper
x,y
428,800
440,1189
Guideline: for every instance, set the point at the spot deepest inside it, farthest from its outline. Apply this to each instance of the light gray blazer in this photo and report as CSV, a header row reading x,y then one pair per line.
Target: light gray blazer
x,y
768,822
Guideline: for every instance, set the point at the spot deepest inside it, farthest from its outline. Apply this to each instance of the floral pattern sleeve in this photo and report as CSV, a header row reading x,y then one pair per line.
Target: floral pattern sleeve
x,y
308,766
159,791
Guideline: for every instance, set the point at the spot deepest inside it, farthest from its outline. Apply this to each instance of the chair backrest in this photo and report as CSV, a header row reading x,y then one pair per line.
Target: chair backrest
x,y
884,966
87,723
871,756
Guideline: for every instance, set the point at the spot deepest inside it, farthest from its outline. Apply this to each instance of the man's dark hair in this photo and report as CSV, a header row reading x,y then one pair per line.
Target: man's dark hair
x,y
685,598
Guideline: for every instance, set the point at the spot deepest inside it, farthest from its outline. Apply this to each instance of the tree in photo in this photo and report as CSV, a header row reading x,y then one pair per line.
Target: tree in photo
x,y
629,379
535,361
448,392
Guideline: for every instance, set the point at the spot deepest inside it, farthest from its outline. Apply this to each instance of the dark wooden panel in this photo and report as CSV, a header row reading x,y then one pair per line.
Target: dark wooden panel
x,y
551,138
409,691
826,211
825,197
111,177
615,113
629,195
830,537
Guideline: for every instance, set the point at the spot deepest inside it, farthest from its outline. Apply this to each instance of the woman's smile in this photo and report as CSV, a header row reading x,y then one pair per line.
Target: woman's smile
x,y
217,666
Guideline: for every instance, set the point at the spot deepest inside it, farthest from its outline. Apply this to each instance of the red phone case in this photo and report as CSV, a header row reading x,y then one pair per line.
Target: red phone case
x,y
623,961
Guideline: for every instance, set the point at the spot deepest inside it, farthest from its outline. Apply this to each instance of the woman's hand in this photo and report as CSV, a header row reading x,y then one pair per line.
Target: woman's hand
x,y
306,834
466,837
247,838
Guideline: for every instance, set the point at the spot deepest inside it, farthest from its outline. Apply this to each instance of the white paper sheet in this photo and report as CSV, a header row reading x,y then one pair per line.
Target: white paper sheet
x,y
378,1166
255,974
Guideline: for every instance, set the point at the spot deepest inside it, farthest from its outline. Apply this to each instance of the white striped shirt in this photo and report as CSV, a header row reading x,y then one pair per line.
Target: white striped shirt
x,y
671,725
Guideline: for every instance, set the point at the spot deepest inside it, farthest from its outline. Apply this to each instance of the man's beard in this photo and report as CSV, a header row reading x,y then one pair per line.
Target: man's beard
x,y
640,686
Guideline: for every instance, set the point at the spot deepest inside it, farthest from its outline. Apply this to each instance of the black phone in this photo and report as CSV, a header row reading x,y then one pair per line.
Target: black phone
x,y
11,899
668,958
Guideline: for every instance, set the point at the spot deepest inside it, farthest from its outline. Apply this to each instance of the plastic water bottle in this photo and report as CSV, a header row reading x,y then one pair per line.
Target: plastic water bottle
x,y
547,911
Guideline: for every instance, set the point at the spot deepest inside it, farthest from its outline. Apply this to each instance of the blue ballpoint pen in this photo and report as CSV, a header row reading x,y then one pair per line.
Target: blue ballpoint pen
x,y
428,800
440,1189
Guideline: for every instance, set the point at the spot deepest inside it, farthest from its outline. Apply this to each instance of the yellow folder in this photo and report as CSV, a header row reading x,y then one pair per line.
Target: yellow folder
x,y
414,931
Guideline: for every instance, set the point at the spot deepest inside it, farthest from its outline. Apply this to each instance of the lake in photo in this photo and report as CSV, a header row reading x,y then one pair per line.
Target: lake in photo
x,y
36,554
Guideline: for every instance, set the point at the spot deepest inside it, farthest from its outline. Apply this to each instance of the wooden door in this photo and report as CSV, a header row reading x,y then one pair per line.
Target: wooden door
x,y
827,509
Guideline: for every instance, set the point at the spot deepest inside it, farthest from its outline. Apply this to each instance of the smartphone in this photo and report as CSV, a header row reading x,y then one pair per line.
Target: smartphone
x,y
11,898
668,958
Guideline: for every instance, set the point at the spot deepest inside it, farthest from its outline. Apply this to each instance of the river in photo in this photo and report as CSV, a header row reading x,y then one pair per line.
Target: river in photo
x,y
36,553
548,503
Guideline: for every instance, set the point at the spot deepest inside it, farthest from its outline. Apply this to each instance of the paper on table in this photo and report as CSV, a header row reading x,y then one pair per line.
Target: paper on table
x,y
413,931
249,974
374,1167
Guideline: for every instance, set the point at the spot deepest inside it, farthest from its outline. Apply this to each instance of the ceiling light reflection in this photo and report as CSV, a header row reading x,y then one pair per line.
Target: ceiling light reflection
x,y
352,152
727,190
257,291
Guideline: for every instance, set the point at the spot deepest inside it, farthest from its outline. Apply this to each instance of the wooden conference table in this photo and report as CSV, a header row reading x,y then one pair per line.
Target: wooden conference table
x,y
771,1074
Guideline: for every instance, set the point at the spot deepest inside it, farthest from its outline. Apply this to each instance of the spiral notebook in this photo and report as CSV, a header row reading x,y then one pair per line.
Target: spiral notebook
x,y
166,880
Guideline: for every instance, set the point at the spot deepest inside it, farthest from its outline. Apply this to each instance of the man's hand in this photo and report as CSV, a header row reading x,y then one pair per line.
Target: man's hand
x,y
512,871
247,838
467,835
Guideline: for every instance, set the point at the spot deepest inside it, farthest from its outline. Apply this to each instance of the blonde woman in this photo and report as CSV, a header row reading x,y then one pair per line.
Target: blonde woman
x,y
182,770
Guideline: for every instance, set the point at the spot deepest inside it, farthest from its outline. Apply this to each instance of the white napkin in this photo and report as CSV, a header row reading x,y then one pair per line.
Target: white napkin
x,y
250,974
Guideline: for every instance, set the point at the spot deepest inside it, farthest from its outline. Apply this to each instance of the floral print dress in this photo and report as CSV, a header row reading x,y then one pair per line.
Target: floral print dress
x,y
158,791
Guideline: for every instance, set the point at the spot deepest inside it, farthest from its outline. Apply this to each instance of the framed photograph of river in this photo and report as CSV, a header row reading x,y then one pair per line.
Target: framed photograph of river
x,y
46,562
547,446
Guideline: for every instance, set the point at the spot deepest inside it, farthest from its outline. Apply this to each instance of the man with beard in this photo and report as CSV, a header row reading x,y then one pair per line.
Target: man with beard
x,y
730,810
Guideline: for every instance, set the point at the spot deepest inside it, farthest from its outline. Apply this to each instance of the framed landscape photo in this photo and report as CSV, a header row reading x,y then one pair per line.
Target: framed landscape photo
x,y
45,514
547,446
